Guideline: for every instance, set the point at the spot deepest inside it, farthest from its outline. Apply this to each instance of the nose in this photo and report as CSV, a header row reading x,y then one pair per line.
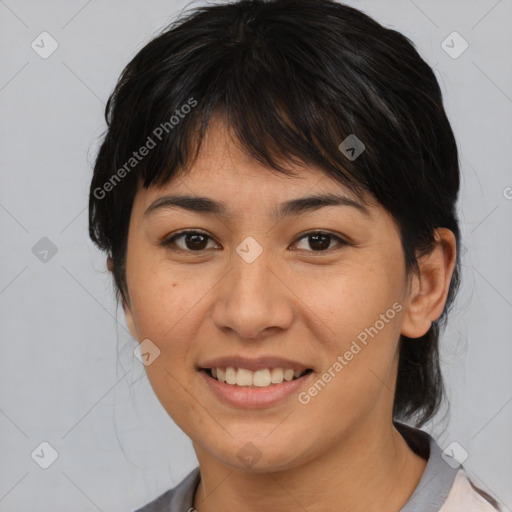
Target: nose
x,y
253,299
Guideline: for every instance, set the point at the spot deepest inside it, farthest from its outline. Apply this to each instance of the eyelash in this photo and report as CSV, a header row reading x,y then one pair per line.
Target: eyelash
x,y
170,242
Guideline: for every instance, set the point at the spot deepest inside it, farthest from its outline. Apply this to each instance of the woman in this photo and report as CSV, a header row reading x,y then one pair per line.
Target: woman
x,y
277,194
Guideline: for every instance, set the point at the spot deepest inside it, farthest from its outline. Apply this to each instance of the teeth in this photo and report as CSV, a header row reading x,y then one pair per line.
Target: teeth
x,y
230,375
243,377
260,378
288,374
276,375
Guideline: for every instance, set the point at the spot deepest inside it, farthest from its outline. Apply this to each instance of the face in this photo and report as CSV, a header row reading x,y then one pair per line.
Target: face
x,y
321,289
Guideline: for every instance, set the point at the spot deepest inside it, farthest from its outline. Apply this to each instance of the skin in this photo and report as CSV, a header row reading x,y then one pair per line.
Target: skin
x,y
339,450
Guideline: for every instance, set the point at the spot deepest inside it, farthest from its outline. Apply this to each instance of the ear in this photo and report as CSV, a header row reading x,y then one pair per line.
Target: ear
x,y
429,288
129,319
110,264
126,307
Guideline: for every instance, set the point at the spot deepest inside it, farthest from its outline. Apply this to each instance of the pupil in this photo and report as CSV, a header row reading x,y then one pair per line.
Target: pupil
x,y
194,241
323,244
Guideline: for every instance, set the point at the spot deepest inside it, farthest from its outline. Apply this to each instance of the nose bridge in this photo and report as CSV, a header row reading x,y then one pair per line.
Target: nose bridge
x,y
251,269
251,298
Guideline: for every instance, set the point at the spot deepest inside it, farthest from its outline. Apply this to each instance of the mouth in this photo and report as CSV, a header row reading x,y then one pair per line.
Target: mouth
x,y
261,378
254,383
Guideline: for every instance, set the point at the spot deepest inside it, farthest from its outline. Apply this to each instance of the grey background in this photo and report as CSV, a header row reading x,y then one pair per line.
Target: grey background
x,y
67,372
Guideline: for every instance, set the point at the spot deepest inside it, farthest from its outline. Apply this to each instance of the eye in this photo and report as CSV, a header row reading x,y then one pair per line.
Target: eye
x,y
197,241
192,241
320,241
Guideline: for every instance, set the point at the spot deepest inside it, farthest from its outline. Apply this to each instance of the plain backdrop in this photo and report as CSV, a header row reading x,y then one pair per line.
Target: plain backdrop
x,y
68,376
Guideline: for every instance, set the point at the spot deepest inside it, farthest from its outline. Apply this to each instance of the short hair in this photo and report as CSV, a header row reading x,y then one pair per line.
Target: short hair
x,y
293,79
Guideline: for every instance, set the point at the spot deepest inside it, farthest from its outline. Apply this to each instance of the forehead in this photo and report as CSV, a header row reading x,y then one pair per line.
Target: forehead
x,y
225,170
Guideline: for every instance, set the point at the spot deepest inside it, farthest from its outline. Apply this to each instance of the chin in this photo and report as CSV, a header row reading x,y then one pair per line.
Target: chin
x,y
256,454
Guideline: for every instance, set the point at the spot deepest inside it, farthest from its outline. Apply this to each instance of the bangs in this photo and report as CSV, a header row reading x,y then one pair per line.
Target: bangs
x,y
265,86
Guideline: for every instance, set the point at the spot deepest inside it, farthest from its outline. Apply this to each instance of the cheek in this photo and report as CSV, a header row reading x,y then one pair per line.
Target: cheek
x,y
357,317
156,296
351,297
168,307
165,310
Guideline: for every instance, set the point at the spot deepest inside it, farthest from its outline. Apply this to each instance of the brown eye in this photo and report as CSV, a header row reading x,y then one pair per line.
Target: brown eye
x,y
191,241
197,241
320,241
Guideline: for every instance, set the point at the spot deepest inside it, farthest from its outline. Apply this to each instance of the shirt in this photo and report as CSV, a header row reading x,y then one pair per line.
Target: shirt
x,y
443,487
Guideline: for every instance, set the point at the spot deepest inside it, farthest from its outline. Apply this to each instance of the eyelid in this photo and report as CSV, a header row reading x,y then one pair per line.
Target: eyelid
x,y
341,241
169,240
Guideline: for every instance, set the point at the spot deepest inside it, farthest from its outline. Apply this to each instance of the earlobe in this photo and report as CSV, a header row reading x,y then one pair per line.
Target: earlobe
x,y
110,263
129,319
429,289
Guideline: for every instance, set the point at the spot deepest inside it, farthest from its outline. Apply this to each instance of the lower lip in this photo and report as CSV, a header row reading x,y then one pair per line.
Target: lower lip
x,y
254,398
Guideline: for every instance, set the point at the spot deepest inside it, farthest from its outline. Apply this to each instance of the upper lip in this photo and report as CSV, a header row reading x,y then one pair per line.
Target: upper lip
x,y
253,364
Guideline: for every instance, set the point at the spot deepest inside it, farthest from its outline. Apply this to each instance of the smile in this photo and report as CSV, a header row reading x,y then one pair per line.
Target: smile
x,y
245,389
262,378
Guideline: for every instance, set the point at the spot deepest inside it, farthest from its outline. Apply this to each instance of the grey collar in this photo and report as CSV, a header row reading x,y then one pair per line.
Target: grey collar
x,y
438,476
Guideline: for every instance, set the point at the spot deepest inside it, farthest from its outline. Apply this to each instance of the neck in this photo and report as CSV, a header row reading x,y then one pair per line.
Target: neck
x,y
367,470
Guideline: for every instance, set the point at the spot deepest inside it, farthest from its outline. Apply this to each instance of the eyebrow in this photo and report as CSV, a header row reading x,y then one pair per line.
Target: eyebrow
x,y
201,204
